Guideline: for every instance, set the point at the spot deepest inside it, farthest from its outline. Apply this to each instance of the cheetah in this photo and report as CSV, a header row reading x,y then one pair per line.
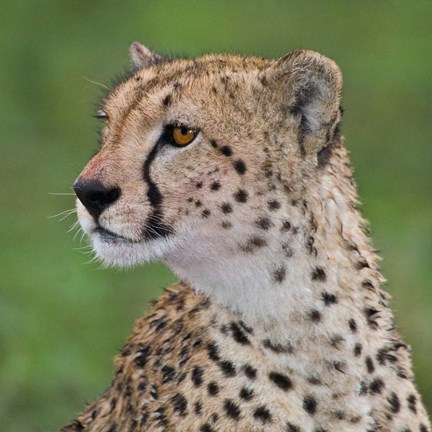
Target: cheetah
x,y
232,170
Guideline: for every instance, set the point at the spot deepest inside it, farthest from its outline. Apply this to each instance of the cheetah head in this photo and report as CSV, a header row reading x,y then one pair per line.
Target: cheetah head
x,y
200,158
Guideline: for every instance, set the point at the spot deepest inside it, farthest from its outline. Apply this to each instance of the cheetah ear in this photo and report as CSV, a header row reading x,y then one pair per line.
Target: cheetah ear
x,y
312,84
142,57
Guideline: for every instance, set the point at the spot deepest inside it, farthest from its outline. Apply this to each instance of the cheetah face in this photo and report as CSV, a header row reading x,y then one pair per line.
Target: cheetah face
x,y
198,156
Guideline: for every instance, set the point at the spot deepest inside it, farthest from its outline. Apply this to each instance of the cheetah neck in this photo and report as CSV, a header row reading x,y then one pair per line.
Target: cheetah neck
x,y
324,257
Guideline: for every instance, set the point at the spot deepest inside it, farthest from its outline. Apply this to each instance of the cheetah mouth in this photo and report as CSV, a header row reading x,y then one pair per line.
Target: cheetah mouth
x,y
111,236
119,250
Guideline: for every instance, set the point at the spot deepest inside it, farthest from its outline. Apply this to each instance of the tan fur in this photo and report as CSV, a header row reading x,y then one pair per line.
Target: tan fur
x,y
280,323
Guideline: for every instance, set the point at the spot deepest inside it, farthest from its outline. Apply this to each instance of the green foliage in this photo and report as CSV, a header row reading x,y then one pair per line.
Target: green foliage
x,y
61,319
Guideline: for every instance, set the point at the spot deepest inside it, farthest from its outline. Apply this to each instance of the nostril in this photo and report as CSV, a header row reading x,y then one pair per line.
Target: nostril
x,y
95,196
112,195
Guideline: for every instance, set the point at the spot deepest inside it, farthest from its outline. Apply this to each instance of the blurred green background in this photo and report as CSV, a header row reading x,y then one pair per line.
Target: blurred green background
x,y
62,318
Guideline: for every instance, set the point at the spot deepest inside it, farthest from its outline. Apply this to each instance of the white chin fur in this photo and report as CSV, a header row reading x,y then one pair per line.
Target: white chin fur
x,y
118,252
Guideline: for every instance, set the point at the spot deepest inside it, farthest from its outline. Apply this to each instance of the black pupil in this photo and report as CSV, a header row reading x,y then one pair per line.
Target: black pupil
x,y
184,131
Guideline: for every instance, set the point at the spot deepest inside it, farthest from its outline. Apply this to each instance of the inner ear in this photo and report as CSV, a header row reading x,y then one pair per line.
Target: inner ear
x,y
311,85
142,57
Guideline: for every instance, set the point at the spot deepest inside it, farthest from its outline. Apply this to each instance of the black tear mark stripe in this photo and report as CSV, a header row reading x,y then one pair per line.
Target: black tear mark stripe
x,y
154,227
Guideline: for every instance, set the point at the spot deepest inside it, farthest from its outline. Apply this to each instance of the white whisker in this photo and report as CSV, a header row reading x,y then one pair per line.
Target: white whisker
x,y
74,226
61,193
97,83
63,215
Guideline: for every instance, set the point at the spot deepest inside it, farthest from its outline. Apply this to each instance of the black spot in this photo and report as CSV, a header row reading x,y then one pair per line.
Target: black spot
x,y
226,150
281,381
198,407
352,325
253,244
154,393
376,386
241,196
263,414
228,369
246,394
278,348
368,285
213,143
213,351
394,403
238,334
371,316
384,356
361,264
329,298
314,380
309,405
205,213
411,399
250,371
226,225
314,315
198,203
240,166
197,373
369,365
144,418
226,208
141,359
339,365
358,349
215,186
336,341
273,205
264,223
160,417
179,404
206,428
213,389
167,100
286,226
292,428
245,327
199,185
232,409
401,373
287,250
363,388
318,274
168,374
279,274
310,245
423,428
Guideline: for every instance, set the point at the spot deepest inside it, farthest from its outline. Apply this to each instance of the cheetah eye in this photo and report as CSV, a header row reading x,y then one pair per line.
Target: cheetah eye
x,y
101,114
182,135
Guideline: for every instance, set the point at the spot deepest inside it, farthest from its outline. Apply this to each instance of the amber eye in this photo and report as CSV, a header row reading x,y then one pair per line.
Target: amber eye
x,y
183,135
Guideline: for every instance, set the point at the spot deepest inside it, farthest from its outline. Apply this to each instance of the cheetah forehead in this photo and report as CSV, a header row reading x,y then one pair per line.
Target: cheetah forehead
x,y
182,72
